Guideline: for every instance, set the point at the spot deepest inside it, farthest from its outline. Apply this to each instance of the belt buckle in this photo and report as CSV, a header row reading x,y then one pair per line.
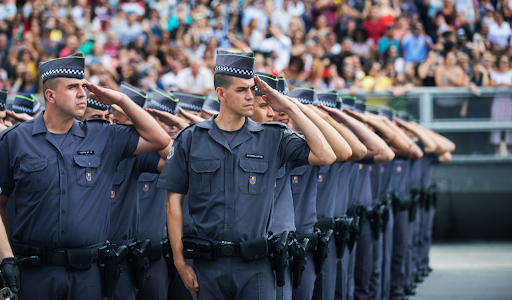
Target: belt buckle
x,y
228,249
59,258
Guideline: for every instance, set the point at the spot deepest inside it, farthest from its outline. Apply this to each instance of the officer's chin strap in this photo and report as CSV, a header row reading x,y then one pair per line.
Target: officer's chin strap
x,y
5,291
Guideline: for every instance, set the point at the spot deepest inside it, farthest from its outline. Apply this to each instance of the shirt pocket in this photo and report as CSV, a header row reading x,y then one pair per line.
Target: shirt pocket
x,y
36,173
87,169
116,183
253,178
321,177
204,176
146,182
297,178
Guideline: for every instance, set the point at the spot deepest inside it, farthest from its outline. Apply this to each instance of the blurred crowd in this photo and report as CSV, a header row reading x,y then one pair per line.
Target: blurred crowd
x,y
375,45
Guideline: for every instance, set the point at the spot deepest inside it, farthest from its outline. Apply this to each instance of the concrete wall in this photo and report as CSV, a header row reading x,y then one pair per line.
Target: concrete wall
x,y
475,200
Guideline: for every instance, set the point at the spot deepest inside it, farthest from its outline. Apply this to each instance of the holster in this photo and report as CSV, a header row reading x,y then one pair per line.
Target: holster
x,y
415,201
312,237
139,261
109,263
433,194
298,259
400,204
342,234
375,214
354,230
386,200
279,256
195,247
322,249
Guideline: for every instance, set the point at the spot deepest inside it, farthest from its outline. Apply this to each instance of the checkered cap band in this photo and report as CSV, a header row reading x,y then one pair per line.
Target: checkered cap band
x,y
92,102
209,107
190,106
64,72
358,110
2,105
234,71
22,109
162,107
327,103
306,101
351,107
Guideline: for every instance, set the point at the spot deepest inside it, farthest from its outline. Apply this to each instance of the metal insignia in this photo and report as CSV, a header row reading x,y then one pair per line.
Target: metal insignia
x,y
360,166
88,176
112,194
295,179
399,169
146,188
320,178
252,180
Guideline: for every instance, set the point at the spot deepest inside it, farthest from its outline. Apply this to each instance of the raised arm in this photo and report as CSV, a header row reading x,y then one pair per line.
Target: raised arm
x,y
335,140
175,229
152,136
321,153
427,142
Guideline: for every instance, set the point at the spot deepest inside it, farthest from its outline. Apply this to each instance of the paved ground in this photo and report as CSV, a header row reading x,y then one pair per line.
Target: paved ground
x,y
469,271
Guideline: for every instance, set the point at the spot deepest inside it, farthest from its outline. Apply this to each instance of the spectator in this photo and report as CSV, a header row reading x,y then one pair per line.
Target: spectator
x,y
416,44
131,32
181,16
280,45
388,13
331,80
196,78
294,72
446,75
321,29
4,79
374,26
356,10
377,79
386,41
255,11
499,30
298,47
448,12
170,80
501,108
283,16
71,46
362,45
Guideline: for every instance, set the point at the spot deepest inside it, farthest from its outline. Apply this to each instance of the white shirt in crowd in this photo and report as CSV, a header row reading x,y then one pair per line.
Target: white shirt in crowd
x,y
499,34
203,80
282,47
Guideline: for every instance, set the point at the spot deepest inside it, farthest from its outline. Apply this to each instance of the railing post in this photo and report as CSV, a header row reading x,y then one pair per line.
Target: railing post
x,y
426,107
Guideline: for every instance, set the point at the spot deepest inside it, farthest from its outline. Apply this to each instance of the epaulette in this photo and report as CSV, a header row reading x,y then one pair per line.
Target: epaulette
x,y
275,123
179,133
8,129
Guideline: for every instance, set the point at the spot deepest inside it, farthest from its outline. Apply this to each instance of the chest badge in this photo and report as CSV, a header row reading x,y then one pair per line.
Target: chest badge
x,y
146,188
320,178
112,194
370,168
399,169
382,169
171,153
295,179
360,166
252,180
88,176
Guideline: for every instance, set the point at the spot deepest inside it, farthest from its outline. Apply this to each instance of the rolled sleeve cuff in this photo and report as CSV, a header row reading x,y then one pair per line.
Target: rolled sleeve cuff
x,y
171,187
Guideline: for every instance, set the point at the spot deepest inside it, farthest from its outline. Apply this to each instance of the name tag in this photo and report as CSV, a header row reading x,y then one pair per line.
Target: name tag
x,y
89,152
258,156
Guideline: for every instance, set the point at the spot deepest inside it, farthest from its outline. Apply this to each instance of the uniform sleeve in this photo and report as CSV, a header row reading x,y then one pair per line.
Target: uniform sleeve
x,y
174,176
367,160
147,163
294,148
124,140
6,175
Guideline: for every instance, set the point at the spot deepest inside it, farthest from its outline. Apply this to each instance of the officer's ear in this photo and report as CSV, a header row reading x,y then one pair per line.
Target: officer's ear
x,y
221,93
49,89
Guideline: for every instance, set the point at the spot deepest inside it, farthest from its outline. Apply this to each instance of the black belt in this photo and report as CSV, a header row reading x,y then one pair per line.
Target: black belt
x,y
60,258
227,250
157,250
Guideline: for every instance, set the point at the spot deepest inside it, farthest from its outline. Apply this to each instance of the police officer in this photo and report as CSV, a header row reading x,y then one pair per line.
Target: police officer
x,y
62,173
211,106
191,103
228,165
3,102
26,104
125,216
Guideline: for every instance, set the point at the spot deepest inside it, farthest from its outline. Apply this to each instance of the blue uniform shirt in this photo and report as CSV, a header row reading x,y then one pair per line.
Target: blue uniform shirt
x,y
124,211
152,205
429,160
283,215
304,181
343,189
400,179
230,187
376,181
361,188
327,189
63,191
387,174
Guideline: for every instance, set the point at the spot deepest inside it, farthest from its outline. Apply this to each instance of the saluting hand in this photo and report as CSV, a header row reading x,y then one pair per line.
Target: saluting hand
x,y
103,95
360,117
190,117
335,113
167,118
276,100
19,117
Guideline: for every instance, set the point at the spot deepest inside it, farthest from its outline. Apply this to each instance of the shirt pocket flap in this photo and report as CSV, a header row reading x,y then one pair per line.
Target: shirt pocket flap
x,y
253,166
298,171
118,178
87,161
324,169
148,177
205,166
34,165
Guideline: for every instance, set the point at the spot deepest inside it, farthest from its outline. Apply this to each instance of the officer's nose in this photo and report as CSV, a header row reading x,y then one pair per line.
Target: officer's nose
x,y
250,94
81,92
270,113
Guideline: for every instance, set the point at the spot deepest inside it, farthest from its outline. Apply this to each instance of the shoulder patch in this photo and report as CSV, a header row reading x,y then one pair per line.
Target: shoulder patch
x,y
275,124
177,135
7,130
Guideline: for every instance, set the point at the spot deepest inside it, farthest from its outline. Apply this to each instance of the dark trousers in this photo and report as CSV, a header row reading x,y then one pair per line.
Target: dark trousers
x,y
285,292
325,283
400,242
387,253
126,289
342,277
364,262
376,277
350,273
232,278
54,282
305,291
157,281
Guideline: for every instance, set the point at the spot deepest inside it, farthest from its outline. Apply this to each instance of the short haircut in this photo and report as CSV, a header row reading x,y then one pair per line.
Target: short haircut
x,y
222,80
49,84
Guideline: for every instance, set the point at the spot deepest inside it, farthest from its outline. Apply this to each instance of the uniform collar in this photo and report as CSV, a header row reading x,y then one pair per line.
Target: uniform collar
x,y
40,127
243,135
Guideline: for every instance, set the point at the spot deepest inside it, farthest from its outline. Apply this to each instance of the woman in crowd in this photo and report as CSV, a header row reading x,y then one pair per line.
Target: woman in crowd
x,y
501,109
